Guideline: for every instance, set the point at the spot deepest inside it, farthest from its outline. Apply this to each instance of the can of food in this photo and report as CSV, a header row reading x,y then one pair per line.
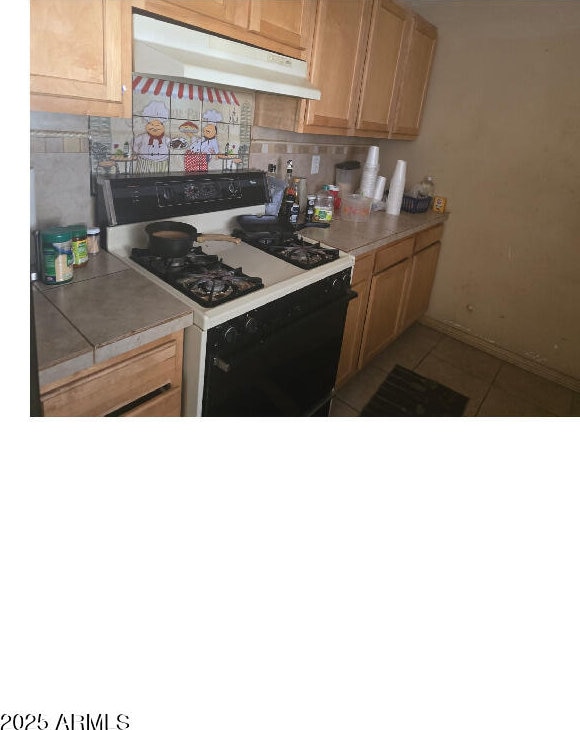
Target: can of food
x,y
79,244
57,255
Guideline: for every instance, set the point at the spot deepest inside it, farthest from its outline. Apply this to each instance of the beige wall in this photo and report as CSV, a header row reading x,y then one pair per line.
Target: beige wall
x,y
501,137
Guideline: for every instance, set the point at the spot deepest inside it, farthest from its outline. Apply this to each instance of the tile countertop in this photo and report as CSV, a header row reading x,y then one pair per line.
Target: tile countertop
x,y
379,229
107,310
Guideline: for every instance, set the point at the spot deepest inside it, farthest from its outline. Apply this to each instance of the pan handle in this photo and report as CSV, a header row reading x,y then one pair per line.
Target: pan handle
x,y
203,238
300,226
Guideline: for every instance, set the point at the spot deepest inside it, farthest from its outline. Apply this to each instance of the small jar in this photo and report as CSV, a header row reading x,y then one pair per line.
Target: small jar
x,y
57,255
79,244
334,190
323,207
93,240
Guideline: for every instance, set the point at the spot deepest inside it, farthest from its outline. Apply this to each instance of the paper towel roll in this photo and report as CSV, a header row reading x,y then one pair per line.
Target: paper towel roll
x,y
379,187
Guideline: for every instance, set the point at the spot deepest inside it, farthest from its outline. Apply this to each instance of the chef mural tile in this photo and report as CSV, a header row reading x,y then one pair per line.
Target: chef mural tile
x,y
194,128
175,127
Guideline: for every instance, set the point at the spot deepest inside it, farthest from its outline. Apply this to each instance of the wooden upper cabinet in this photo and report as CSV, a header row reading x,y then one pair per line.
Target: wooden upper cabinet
x,y
80,57
338,52
414,83
390,25
287,21
371,59
282,26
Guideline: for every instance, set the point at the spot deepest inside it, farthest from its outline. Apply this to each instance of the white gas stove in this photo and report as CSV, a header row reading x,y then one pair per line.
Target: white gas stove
x,y
265,320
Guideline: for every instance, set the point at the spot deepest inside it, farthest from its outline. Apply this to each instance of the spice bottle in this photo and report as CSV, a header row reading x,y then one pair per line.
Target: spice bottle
x,y
290,205
79,244
310,208
57,255
93,240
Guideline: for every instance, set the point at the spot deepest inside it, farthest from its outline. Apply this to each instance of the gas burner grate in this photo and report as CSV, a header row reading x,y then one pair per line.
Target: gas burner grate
x,y
202,277
291,248
213,287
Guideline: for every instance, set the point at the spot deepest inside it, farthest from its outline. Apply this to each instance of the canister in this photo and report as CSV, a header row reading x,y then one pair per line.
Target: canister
x,y
57,255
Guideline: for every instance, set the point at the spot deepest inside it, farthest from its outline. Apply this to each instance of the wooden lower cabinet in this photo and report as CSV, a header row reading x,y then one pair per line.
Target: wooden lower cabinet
x,y
421,278
355,319
393,284
384,310
143,382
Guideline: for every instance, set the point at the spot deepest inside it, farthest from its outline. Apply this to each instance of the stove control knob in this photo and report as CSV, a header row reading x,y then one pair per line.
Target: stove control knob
x,y
230,334
251,326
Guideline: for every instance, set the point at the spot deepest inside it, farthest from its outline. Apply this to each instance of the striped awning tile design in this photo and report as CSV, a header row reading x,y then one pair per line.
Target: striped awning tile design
x,y
180,90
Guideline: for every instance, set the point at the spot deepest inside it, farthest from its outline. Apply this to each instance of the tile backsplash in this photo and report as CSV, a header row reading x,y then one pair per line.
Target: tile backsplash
x,y
175,127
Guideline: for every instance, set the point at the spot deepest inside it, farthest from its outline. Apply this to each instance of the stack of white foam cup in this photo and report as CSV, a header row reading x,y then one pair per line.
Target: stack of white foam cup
x,y
379,188
370,171
396,188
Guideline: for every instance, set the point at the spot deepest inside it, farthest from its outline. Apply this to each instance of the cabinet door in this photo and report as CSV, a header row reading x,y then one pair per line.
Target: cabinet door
x,y
286,21
423,268
338,52
384,309
353,329
417,70
80,56
383,67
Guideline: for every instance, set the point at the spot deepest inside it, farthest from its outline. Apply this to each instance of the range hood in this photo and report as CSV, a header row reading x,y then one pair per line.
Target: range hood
x,y
166,50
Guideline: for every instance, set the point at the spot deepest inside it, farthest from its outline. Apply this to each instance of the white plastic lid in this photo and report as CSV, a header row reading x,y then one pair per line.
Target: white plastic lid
x,y
93,231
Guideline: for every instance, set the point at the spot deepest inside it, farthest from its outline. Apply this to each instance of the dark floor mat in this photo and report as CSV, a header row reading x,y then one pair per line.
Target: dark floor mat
x,y
404,393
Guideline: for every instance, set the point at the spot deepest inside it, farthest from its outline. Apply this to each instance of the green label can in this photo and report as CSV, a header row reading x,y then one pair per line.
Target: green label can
x,y
57,255
80,247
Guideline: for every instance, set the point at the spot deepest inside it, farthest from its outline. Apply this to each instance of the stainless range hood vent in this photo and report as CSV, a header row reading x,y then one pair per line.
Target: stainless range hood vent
x,y
165,49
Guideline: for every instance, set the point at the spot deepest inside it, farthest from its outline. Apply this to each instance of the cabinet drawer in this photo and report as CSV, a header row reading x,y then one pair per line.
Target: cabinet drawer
x,y
109,388
426,238
363,268
392,254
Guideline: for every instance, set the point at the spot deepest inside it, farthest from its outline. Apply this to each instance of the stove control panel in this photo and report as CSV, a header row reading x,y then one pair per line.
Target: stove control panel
x,y
133,199
272,319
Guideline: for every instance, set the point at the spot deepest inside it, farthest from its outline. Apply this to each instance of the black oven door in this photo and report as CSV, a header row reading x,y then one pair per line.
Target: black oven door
x,y
289,371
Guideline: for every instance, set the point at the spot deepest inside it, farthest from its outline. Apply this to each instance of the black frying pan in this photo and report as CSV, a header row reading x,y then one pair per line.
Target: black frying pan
x,y
173,239
259,223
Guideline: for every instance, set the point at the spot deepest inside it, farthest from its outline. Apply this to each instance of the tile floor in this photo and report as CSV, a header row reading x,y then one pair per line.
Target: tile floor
x,y
494,387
